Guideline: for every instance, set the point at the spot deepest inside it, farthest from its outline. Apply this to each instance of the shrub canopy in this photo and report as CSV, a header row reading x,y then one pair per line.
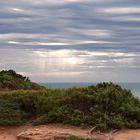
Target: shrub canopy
x,y
106,106
10,80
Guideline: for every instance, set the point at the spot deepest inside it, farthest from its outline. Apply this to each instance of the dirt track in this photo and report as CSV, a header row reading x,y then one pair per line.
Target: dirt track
x,y
10,133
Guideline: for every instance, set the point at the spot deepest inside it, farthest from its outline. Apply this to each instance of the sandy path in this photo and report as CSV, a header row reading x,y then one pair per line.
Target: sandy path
x,y
10,133
128,135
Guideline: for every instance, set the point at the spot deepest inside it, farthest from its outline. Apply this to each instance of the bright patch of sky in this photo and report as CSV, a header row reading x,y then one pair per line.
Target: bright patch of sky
x,y
71,40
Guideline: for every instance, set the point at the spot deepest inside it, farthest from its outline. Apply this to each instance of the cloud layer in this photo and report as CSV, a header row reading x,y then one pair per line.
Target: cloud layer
x,y
71,40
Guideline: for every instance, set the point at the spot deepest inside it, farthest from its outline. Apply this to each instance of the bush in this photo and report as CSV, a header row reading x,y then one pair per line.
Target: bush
x,y
10,80
105,106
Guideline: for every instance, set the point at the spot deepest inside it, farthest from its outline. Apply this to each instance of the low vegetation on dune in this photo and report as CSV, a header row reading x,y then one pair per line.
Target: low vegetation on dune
x,y
106,106
10,80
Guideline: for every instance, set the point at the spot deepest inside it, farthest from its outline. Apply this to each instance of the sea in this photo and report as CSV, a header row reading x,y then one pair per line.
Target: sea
x,y
134,87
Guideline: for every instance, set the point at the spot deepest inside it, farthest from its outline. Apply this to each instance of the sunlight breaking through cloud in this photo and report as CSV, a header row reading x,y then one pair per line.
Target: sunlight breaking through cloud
x,y
71,39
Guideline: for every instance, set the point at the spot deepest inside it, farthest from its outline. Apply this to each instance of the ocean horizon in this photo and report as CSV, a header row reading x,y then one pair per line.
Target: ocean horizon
x,y
134,87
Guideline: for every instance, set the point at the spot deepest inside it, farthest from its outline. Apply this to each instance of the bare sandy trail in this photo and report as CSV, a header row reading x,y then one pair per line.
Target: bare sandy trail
x,y
10,133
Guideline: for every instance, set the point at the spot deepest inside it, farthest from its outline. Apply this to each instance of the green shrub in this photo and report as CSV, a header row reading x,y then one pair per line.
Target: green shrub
x,y
106,106
10,80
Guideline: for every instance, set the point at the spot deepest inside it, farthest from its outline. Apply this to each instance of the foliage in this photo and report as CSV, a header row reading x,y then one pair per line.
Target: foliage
x,y
10,80
106,106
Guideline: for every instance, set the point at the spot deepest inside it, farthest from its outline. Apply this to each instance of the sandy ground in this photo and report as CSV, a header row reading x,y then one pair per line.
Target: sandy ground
x,y
10,133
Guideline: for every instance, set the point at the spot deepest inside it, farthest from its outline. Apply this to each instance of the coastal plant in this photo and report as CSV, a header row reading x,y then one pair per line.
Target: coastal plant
x,y
105,105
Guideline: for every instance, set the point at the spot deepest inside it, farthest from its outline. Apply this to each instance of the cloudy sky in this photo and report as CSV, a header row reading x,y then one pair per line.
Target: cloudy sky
x,y
71,40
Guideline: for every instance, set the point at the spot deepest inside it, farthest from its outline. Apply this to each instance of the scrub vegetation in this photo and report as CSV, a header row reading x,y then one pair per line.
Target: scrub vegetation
x,y
105,105
10,80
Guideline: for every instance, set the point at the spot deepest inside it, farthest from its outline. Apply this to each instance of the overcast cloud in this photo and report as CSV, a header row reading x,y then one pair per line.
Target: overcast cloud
x,y
71,40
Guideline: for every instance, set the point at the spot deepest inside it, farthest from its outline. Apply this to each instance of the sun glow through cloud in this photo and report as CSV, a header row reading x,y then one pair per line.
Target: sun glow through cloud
x,y
17,9
71,40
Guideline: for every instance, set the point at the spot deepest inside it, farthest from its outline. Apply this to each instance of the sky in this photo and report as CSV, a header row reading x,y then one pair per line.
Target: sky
x,y
71,40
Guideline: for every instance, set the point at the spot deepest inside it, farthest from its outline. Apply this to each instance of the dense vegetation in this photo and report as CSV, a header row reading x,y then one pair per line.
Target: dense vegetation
x,y
105,106
10,80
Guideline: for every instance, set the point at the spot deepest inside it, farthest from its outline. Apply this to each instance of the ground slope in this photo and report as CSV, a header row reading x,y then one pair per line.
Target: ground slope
x,y
10,80
10,133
